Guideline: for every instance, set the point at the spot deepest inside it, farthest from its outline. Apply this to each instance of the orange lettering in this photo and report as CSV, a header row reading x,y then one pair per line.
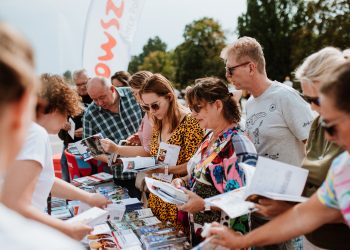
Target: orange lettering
x,y
102,70
117,11
107,47
112,22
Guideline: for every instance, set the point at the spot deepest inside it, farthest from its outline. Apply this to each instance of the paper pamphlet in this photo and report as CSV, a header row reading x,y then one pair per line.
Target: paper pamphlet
x,y
271,179
90,147
71,131
166,191
91,217
168,153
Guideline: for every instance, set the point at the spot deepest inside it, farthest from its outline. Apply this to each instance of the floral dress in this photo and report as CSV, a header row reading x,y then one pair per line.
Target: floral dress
x,y
215,170
187,135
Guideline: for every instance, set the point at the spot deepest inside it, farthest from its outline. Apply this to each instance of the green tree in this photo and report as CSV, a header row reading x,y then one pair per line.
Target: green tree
x,y
199,55
159,62
67,75
153,44
272,23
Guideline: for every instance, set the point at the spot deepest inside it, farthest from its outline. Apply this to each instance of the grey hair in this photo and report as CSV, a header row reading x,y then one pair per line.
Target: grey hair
x,y
79,72
318,65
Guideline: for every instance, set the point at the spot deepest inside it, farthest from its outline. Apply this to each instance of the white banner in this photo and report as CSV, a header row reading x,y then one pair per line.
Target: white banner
x,y
109,31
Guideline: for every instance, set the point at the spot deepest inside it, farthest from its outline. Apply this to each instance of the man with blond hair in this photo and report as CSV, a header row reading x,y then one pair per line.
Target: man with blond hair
x,y
278,120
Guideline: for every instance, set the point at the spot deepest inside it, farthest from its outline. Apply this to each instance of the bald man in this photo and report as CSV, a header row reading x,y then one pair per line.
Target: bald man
x,y
115,113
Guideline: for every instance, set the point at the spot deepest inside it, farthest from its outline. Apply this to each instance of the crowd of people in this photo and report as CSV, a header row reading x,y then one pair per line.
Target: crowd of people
x,y
308,130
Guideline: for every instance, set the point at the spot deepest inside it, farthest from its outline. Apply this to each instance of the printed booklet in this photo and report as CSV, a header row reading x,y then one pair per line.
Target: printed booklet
x,y
90,147
270,179
166,191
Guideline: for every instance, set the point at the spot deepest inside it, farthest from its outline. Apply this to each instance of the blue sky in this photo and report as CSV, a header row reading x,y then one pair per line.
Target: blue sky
x,y
55,27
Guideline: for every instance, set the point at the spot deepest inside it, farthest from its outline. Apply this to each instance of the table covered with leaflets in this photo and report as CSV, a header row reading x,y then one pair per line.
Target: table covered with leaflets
x,y
124,224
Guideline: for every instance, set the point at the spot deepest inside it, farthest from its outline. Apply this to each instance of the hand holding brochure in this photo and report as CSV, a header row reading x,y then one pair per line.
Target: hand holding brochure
x,y
271,179
90,147
166,191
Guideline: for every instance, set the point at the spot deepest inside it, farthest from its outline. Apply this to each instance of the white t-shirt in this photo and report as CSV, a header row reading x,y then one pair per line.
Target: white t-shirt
x,y
17,232
37,148
277,122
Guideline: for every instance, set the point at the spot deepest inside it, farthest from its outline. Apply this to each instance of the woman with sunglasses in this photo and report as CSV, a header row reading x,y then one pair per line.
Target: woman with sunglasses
x,y
18,85
174,125
319,152
214,169
331,202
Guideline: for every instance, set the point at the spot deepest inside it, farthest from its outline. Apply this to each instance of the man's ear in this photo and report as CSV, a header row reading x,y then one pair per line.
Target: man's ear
x,y
252,68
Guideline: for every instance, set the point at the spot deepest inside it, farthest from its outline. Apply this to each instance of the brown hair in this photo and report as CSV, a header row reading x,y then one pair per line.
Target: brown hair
x,y
161,86
210,89
246,47
338,87
121,76
58,96
17,73
138,79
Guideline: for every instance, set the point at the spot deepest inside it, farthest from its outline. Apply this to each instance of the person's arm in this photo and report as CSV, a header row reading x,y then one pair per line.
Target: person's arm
x,y
18,188
128,151
178,170
301,219
67,191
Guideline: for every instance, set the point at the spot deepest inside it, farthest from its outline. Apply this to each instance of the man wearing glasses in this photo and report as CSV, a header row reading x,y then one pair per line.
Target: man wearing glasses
x,y
116,114
278,119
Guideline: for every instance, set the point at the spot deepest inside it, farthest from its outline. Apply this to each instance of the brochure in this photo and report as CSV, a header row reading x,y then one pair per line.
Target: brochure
x,y
166,191
163,177
150,221
138,214
91,217
126,238
72,128
168,153
153,241
90,147
271,179
93,179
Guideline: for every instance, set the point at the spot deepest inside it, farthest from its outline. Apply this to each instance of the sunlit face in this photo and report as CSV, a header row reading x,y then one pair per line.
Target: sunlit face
x,y
117,83
338,120
53,122
158,105
207,114
311,89
240,75
81,82
104,97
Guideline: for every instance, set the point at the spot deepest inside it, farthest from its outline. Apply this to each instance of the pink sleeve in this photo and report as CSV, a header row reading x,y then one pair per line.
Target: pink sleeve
x,y
145,133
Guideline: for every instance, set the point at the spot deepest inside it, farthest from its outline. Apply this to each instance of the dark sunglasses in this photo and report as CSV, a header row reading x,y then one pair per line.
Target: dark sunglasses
x,y
154,106
311,99
331,127
230,70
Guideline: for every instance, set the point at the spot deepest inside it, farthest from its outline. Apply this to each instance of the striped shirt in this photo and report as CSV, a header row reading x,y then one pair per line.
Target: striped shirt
x,y
115,126
335,190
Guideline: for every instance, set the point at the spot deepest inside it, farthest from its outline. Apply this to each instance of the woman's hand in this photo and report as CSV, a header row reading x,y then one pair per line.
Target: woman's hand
x,y
194,204
178,182
78,133
78,230
224,236
271,208
109,146
98,200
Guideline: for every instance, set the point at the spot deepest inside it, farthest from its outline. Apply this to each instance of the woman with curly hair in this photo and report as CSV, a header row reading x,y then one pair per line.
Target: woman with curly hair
x,y
31,179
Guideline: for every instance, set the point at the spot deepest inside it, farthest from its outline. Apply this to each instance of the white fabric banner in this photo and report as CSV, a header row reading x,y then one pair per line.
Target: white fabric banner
x,y
109,31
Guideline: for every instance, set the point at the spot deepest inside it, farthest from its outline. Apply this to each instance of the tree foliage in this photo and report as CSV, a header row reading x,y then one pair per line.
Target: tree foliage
x,y
290,30
199,54
153,44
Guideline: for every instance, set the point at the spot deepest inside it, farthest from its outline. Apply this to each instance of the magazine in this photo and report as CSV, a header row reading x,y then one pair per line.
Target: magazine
x,y
271,179
94,179
159,240
91,217
161,228
166,191
168,153
150,221
90,147
71,131
138,214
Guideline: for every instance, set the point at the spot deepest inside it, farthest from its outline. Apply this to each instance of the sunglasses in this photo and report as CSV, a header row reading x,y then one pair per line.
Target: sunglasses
x,y
311,99
230,70
331,127
153,106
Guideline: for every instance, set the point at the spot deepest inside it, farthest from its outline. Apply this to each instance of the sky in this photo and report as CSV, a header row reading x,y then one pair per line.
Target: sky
x,y
56,27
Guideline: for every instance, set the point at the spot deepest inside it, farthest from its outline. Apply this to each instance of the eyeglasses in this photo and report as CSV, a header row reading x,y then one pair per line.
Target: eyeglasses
x,y
311,99
230,70
154,106
331,127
